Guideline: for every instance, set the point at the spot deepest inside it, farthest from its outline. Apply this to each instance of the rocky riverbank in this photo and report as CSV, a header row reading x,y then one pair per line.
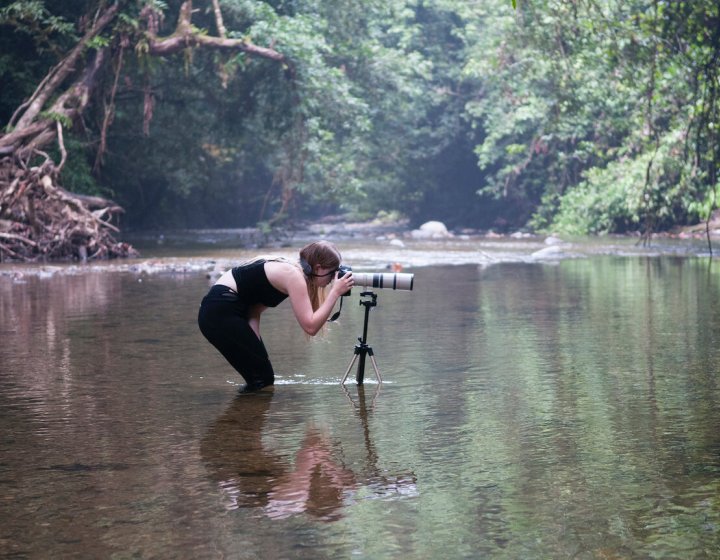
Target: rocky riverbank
x,y
374,245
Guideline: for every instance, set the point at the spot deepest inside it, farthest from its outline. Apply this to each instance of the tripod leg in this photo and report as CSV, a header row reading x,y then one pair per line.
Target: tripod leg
x,y
377,373
352,363
360,376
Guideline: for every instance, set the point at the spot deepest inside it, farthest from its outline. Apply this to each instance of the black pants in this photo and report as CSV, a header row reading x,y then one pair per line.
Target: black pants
x,y
223,320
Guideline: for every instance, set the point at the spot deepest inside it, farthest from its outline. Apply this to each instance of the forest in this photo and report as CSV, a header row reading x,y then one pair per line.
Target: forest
x,y
582,117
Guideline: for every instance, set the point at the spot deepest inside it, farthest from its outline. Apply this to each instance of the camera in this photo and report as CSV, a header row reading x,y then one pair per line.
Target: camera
x,y
382,280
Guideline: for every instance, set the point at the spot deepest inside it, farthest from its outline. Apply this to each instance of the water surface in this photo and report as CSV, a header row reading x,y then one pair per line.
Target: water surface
x,y
529,410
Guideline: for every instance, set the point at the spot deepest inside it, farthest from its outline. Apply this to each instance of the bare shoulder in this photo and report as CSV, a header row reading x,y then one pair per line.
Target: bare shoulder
x,y
283,275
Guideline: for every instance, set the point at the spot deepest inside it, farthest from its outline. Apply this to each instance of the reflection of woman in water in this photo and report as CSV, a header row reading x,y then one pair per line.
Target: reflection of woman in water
x,y
233,451
252,476
317,484
229,315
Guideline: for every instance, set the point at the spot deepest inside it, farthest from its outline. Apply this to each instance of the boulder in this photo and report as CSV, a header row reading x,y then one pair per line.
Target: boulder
x,y
431,230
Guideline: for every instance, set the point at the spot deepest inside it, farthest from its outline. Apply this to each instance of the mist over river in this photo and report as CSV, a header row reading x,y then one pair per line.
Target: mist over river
x,y
540,400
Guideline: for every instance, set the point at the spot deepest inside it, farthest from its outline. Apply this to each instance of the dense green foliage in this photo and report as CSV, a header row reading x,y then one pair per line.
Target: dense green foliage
x,y
584,116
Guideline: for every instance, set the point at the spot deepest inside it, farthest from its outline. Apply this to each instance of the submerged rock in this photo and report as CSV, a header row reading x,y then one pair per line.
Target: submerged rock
x,y
552,240
551,252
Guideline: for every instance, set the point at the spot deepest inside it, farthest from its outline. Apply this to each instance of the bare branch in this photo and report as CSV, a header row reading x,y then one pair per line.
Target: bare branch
x,y
109,114
185,36
61,143
10,142
219,19
40,87
18,238
175,44
65,68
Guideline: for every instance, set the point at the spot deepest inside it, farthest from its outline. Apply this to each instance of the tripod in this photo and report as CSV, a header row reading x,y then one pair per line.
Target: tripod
x,y
362,349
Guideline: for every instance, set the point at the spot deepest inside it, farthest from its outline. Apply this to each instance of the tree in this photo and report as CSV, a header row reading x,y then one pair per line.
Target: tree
x,y
599,114
38,218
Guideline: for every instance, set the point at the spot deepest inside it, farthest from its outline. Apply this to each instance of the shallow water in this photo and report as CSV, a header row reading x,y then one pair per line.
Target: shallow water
x,y
529,410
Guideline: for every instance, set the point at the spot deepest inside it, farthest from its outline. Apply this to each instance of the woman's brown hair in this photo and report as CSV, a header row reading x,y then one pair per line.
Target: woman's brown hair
x,y
325,255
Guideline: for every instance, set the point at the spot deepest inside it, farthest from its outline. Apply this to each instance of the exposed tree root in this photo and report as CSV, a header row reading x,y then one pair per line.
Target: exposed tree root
x,y
39,220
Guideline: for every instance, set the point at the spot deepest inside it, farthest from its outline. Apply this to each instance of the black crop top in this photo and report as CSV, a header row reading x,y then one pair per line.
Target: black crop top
x,y
253,285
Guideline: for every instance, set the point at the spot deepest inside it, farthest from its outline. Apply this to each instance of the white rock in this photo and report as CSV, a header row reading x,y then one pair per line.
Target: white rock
x,y
435,227
552,240
552,252
431,230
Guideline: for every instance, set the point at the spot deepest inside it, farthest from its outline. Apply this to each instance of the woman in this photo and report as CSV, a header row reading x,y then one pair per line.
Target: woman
x,y
229,314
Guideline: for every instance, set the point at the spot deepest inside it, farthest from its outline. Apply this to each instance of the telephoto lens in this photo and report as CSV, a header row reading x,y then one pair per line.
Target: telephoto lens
x,y
385,280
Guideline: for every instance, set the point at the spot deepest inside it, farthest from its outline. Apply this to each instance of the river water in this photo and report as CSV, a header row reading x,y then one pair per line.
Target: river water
x,y
558,407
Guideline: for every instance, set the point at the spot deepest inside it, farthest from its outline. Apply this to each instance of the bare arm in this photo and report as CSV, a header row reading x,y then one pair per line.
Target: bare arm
x,y
312,321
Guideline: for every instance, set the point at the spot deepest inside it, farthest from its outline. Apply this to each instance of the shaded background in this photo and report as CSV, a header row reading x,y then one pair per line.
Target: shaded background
x,y
581,117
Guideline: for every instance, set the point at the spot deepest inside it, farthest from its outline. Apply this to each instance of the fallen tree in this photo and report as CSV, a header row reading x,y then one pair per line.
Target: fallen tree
x,y
39,219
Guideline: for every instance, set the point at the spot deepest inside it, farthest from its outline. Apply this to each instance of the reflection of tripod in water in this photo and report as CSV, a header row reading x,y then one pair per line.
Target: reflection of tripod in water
x,y
362,349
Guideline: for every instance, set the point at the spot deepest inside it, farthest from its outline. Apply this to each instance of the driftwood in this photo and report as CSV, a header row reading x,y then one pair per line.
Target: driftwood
x,y
41,220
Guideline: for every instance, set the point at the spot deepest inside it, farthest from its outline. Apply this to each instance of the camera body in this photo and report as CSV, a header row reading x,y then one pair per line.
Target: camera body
x,y
343,269
391,280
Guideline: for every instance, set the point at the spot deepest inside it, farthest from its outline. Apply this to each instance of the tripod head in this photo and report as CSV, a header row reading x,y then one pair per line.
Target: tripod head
x,y
372,302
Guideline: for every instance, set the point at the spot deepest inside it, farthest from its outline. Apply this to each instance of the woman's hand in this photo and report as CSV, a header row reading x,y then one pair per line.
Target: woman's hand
x,y
342,285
